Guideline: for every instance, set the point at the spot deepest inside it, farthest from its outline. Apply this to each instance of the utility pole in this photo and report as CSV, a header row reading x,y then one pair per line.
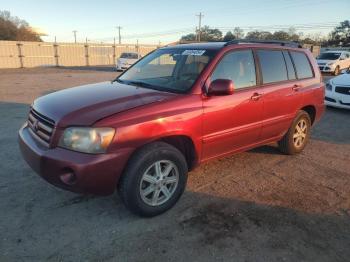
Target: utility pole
x,y
120,39
200,15
75,35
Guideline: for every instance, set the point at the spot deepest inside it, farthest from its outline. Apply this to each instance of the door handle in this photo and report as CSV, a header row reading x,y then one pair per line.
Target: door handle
x,y
296,87
255,96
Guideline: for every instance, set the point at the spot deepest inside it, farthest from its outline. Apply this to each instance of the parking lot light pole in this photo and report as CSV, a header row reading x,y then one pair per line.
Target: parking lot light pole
x,y
75,36
200,15
119,36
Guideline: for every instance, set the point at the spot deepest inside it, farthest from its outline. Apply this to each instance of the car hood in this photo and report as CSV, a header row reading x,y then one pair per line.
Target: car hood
x,y
342,80
84,105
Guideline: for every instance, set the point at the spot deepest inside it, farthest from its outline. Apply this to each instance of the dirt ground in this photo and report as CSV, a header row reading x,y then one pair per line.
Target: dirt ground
x,y
259,205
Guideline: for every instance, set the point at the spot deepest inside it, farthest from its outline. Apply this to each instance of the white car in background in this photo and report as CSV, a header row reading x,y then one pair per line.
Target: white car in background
x,y
333,61
126,60
338,91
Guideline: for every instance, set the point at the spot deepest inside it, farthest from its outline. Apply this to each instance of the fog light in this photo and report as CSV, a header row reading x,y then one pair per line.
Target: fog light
x,y
68,177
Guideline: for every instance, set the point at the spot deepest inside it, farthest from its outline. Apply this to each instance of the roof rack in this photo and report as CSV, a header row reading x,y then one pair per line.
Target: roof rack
x,y
293,44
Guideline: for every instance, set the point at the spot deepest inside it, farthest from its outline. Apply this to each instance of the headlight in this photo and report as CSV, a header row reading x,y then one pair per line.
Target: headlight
x,y
330,63
87,139
329,86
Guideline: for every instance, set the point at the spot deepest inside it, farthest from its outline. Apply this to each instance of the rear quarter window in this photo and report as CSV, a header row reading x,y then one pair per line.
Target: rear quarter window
x,y
302,65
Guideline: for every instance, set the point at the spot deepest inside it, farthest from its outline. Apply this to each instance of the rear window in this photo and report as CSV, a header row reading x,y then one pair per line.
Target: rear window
x,y
302,65
273,67
329,56
129,55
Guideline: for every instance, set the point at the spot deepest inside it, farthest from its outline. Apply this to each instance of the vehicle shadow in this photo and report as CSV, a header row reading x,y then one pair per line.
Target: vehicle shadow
x,y
90,68
333,127
270,149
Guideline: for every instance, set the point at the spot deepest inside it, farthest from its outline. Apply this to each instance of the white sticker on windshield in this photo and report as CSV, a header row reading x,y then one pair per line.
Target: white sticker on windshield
x,y
193,52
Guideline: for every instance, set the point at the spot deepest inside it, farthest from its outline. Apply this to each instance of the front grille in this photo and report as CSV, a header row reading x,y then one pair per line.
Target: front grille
x,y
40,127
343,90
321,68
329,99
345,104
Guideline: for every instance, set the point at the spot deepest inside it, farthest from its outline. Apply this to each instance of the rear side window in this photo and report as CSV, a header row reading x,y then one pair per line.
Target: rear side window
x,y
273,67
302,65
290,67
237,66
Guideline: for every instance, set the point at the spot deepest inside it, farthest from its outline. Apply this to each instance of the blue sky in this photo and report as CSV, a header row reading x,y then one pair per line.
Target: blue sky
x,y
165,21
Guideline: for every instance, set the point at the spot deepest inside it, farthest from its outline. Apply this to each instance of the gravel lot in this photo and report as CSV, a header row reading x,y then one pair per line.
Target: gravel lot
x,y
254,206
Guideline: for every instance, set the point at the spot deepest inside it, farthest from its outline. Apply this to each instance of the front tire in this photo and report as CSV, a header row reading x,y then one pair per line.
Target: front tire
x,y
154,179
295,140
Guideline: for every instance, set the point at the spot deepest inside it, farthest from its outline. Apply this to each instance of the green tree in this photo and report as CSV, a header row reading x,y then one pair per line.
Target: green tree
x,y
13,28
229,36
259,35
340,36
189,37
238,32
207,35
281,35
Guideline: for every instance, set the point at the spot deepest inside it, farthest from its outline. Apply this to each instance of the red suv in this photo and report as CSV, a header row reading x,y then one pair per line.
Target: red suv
x,y
177,107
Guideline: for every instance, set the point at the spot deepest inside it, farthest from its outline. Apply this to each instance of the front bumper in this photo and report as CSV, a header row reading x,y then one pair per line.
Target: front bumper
x,y
122,66
326,68
93,174
335,99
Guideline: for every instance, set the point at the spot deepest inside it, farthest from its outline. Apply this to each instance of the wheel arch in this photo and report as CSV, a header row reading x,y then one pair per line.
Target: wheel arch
x,y
311,110
185,145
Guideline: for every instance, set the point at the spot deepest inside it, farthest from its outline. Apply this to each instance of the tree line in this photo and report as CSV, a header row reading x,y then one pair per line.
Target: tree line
x,y
16,29
340,36
13,28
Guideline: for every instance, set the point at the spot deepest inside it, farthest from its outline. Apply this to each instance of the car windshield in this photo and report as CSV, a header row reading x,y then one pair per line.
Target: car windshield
x,y
129,55
170,70
329,56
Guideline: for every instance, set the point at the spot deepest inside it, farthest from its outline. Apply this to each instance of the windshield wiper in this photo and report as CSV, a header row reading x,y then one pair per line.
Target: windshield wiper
x,y
140,84
117,80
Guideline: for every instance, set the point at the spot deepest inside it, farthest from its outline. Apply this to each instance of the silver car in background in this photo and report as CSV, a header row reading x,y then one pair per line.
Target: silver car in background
x,y
126,60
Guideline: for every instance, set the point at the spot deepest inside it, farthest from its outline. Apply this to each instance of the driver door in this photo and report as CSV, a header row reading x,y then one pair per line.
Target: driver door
x,y
233,122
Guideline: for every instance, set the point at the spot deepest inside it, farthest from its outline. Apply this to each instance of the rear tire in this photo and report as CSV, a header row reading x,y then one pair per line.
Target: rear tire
x,y
154,179
295,140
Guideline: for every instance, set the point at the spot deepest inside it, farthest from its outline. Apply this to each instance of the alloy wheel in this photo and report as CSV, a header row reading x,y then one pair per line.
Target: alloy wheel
x,y
159,182
300,133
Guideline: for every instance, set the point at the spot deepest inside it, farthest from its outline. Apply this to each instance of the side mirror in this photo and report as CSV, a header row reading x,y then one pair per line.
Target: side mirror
x,y
221,87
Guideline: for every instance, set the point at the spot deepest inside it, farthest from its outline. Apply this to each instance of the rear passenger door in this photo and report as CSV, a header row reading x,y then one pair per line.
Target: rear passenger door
x,y
232,122
280,87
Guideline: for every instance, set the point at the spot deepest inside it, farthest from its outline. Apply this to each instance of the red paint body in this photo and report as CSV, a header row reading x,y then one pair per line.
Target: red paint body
x,y
216,125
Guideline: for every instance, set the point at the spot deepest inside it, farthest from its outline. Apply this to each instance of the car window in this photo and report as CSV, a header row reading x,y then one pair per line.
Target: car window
x,y
237,66
329,56
129,55
161,66
273,67
290,67
170,70
302,65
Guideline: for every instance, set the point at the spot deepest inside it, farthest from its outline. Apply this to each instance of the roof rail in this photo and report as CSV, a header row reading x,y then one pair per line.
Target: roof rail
x,y
293,44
